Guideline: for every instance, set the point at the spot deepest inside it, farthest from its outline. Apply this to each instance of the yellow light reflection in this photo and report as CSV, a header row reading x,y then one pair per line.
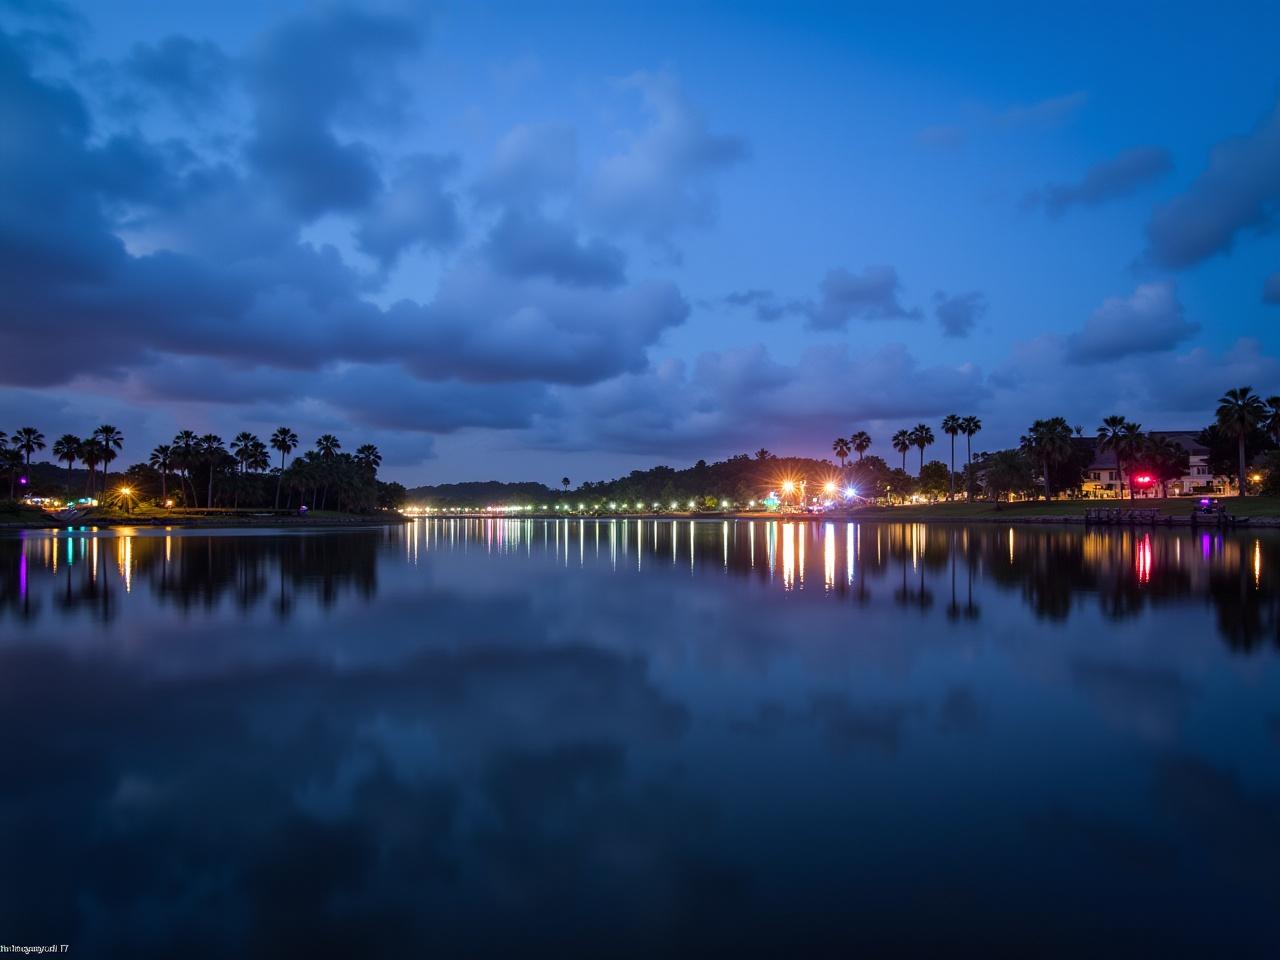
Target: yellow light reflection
x,y
788,555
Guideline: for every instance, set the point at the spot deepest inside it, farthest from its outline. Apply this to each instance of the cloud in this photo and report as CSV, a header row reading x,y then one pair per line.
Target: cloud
x,y
1238,190
487,327
727,401
416,210
1271,289
136,252
959,313
662,179
1121,176
333,65
527,245
192,75
1150,320
843,296
872,295
531,162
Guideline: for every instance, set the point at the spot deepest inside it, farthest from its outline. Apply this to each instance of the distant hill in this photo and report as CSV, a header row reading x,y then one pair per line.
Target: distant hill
x,y
479,493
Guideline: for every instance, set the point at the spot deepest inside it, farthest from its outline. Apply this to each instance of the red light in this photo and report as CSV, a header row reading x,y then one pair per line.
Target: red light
x,y
1142,478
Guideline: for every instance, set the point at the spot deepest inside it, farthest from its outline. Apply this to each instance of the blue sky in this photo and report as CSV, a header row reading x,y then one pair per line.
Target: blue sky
x,y
516,240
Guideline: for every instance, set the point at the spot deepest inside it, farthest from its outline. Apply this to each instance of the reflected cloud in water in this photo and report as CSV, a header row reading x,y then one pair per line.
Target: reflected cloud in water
x,y
636,737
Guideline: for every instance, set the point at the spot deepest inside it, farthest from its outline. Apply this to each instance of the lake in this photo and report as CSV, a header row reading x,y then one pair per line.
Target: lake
x,y
470,737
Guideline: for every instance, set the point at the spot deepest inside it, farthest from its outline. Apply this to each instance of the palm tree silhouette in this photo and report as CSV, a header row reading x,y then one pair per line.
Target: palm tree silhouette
x,y
211,452
161,457
91,456
921,436
564,482
286,441
111,440
970,426
27,440
327,447
841,446
1240,412
367,456
242,447
861,442
951,425
902,443
1109,435
67,449
1048,442
185,453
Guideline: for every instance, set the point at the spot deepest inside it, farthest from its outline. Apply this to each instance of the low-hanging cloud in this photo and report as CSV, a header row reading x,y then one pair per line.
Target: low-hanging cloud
x,y
1150,320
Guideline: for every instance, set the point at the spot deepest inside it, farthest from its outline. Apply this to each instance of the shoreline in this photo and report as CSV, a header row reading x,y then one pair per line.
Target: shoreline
x,y
870,516
1166,520
223,523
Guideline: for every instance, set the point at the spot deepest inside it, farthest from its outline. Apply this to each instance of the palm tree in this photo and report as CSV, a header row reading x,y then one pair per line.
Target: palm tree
x,y
211,451
951,425
902,443
160,458
1048,443
242,448
920,436
286,441
91,456
258,459
327,446
27,441
841,446
861,442
186,452
1130,445
564,482
970,427
368,457
67,448
1109,438
111,440
1240,412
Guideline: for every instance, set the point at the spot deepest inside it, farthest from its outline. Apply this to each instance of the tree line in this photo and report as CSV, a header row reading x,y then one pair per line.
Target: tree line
x,y
204,471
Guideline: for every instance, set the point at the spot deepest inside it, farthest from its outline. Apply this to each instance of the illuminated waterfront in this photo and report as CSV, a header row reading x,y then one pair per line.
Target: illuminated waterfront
x,y
621,735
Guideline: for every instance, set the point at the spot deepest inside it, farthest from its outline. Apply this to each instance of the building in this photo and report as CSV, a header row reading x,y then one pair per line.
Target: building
x,y
1104,480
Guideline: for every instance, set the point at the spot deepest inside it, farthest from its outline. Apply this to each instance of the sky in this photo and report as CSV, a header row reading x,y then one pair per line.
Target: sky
x,y
523,240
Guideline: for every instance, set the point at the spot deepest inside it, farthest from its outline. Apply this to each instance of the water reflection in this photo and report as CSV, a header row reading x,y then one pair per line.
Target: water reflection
x,y
1054,570
639,738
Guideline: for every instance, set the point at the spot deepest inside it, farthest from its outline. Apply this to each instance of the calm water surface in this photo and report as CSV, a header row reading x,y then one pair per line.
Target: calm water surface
x,y
640,738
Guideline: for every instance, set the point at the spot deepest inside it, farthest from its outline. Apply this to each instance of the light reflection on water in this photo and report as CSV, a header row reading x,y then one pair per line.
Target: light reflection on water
x,y
639,737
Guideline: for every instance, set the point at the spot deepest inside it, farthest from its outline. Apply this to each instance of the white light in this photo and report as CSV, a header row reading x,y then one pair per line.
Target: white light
x,y
850,492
